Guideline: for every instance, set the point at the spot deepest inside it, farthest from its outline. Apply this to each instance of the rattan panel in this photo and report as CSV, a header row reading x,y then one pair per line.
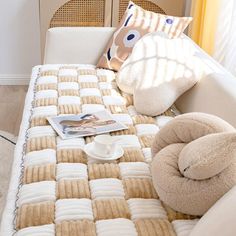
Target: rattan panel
x,y
79,13
147,5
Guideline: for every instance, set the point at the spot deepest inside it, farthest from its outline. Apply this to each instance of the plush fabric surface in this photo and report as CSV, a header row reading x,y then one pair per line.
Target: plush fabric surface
x,y
135,23
158,71
205,159
220,219
208,156
189,127
59,190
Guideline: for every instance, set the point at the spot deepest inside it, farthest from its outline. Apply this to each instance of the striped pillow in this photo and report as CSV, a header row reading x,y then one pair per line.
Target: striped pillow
x,y
135,23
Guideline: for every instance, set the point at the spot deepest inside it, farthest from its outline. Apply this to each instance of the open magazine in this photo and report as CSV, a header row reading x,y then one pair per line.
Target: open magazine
x,y
85,124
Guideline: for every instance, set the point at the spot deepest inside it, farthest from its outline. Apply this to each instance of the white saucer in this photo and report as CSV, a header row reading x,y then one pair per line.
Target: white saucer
x,y
88,149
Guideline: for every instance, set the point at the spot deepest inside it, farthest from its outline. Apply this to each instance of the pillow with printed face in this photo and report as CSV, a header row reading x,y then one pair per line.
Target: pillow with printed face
x,y
135,23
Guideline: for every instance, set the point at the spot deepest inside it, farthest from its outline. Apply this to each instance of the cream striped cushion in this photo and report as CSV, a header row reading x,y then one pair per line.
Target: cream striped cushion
x,y
135,23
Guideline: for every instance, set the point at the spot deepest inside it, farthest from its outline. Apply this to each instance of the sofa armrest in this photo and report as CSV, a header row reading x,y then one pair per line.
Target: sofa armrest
x,y
219,219
214,94
76,45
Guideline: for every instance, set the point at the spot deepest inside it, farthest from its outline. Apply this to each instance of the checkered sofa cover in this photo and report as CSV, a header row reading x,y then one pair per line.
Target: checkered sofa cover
x,y
64,192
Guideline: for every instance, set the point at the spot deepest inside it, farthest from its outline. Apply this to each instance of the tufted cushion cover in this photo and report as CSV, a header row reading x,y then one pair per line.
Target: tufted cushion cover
x,y
62,190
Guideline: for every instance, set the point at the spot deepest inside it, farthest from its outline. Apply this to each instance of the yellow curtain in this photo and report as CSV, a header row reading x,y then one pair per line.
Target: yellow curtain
x,y
203,28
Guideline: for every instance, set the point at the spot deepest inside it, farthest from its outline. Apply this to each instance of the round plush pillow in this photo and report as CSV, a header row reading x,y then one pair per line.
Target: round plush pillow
x,y
194,162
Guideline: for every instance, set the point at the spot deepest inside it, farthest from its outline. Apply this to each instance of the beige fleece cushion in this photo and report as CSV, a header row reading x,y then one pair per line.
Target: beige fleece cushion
x,y
208,156
135,23
188,127
201,142
185,195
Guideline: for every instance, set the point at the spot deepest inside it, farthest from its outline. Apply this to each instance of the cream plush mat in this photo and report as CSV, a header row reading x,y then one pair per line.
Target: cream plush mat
x,y
57,190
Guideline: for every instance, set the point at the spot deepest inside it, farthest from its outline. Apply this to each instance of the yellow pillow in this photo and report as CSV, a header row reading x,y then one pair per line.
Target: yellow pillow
x,y
135,23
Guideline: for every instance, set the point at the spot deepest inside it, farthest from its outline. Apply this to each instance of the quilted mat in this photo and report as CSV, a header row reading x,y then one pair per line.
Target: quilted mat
x,y
64,192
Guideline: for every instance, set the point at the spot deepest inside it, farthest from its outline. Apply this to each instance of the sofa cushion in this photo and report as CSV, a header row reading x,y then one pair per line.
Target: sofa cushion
x,y
186,194
135,23
158,71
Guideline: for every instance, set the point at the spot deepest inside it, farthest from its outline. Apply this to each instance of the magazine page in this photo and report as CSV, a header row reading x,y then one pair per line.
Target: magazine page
x,y
81,125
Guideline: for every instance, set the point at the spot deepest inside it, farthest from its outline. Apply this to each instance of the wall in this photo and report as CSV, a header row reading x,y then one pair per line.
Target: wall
x,y
19,40
20,34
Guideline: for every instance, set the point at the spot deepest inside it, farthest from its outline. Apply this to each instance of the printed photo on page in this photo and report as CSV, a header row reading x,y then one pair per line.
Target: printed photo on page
x,y
87,124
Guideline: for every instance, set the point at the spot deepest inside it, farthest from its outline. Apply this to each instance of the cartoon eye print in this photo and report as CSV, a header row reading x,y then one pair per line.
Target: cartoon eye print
x,y
169,21
131,5
109,54
131,38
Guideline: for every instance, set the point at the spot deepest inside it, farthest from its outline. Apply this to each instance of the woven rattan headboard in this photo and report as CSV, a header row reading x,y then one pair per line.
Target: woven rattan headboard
x,y
147,5
80,13
55,13
96,12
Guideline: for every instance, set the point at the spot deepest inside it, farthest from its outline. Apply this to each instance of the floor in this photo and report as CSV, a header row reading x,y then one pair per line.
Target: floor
x,y
12,100
6,158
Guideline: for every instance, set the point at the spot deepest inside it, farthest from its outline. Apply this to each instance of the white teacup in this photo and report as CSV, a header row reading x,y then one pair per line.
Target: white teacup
x,y
104,145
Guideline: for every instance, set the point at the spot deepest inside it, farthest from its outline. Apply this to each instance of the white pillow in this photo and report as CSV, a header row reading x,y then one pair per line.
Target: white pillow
x,y
159,69
146,52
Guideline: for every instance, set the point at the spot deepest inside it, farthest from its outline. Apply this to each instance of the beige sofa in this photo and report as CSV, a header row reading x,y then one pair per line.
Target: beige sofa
x,y
214,94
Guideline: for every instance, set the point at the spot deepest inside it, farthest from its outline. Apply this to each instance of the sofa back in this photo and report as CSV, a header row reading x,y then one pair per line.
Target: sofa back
x,y
214,94
76,45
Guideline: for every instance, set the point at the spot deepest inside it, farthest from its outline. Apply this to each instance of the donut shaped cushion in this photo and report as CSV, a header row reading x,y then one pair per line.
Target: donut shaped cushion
x,y
195,191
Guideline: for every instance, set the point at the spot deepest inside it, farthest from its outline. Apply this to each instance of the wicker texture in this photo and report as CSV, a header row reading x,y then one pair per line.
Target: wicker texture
x,y
147,5
79,13
92,13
